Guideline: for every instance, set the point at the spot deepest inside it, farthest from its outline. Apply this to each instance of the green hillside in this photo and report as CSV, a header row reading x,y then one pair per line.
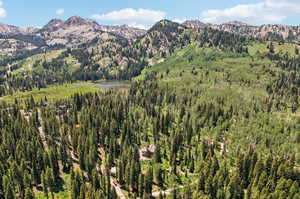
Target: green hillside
x,y
209,115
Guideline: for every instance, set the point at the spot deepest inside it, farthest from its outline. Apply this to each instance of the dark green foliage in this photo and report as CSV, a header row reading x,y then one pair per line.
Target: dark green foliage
x,y
203,141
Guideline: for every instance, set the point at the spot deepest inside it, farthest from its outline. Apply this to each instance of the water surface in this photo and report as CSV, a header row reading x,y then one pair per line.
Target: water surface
x,y
114,84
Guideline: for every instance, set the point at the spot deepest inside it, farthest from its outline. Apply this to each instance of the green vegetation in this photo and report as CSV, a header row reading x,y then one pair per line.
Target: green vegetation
x,y
52,93
279,47
29,64
215,120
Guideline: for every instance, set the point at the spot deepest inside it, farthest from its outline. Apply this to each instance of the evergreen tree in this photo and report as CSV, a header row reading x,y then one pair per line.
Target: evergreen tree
x,y
29,194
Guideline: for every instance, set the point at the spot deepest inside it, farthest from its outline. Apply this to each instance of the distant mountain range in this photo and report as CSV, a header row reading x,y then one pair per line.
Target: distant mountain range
x,y
71,32
270,32
76,31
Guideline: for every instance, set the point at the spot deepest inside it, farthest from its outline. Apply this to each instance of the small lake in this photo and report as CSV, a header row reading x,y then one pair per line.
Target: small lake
x,y
114,84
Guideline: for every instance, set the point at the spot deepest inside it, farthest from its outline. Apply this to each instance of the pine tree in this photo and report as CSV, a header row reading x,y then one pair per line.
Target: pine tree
x,y
75,185
296,50
8,188
50,181
28,194
45,185
158,175
148,181
271,48
141,185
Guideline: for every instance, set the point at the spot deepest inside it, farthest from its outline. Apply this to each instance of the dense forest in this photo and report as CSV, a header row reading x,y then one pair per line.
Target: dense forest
x,y
217,118
99,140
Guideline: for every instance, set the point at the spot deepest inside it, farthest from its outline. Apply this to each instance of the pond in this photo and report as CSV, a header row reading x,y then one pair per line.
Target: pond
x,y
114,84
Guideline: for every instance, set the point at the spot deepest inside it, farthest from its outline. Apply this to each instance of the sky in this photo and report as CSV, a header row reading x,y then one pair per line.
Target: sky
x,y
144,13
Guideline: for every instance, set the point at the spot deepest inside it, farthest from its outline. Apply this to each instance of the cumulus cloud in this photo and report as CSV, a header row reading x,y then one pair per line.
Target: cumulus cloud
x,y
267,11
60,11
138,18
135,25
2,10
179,20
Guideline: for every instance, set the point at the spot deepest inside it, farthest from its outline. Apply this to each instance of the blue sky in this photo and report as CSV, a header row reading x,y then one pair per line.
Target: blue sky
x,y
144,13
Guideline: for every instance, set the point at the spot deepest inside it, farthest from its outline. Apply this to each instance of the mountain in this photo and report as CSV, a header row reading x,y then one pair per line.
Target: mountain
x,y
269,32
8,29
116,57
163,37
12,30
76,31
52,25
124,31
196,24
72,32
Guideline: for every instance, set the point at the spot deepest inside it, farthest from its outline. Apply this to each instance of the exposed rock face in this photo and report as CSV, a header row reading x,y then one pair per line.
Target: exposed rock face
x,y
10,46
195,24
124,31
8,29
272,32
53,25
71,32
162,37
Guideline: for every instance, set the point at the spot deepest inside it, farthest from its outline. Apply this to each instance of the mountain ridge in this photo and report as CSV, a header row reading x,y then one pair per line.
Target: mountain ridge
x,y
76,31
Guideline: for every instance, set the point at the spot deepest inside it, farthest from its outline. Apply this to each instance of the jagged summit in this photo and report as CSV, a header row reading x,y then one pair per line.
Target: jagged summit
x,y
5,29
76,20
194,24
53,25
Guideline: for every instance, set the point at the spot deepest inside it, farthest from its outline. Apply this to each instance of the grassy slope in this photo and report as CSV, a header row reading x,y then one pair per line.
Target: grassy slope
x,y
27,64
54,92
262,48
208,71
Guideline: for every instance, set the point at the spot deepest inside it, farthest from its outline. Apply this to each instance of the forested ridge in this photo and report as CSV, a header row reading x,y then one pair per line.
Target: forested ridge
x,y
209,115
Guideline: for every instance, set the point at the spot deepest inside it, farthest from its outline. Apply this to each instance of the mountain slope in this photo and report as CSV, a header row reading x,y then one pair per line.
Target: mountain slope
x,y
269,32
195,24
70,33
76,31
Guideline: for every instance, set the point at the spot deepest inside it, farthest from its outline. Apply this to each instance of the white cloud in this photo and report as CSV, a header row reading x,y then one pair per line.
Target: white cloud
x,y
60,11
267,11
139,17
2,10
135,25
179,20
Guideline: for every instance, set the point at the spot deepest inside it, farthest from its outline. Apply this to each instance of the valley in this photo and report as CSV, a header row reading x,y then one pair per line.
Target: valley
x,y
180,111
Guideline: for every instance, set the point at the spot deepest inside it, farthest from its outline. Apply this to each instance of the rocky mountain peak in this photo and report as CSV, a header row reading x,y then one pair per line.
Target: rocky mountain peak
x,y
53,25
194,24
55,22
79,21
7,29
